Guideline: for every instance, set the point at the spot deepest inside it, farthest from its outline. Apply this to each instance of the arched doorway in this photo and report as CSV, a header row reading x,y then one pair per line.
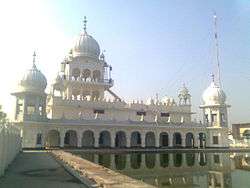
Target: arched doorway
x,y
189,140
164,139
120,139
53,138
135,139
177,140
70,139
88,139
104,139
150,139
202,140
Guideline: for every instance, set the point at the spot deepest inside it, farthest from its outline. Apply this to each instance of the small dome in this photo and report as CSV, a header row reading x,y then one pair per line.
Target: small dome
x,y
86,45
213,95
33,80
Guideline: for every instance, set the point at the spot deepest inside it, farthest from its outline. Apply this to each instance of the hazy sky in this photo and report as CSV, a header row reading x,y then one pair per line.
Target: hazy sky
x,y
153,46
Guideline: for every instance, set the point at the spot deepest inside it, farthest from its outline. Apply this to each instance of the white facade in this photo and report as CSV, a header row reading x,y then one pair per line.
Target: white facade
x,y
76,112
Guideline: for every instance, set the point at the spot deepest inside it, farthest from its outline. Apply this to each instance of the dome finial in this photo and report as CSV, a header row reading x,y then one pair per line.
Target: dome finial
x,y
212,75
85,24
34,59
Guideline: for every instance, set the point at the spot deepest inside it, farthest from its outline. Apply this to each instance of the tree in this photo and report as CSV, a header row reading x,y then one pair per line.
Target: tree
x,y
3,116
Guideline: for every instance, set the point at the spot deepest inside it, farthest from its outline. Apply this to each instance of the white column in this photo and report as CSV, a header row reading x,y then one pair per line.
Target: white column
x,y
157,140
97,139
183,138
79,139
170,137
128,138
112,135
143,136
62,136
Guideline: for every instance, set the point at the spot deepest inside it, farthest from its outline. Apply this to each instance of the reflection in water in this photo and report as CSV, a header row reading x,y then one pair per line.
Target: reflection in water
x,y
135,160
177,159
150,160
175,169
202,159
104,160
190,157
164,158
120,162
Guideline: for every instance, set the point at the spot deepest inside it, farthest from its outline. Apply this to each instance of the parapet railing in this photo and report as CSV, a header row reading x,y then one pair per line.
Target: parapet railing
x,y
10,145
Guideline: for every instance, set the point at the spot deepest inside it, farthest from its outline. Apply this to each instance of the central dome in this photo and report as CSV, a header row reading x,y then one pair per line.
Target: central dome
x,y
213,95
87,46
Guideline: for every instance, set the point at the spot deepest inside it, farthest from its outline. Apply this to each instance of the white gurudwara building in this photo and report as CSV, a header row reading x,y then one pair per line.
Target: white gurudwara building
x,y
76,112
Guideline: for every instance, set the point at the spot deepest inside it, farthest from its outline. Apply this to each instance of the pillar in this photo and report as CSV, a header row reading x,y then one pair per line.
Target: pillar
x,y
79,139
143,136
128,138
157,140
183,140
170,137
112,139
196,140
96,135
62,136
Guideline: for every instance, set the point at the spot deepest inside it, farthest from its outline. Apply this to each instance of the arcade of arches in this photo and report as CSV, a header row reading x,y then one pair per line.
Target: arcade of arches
x,y
122,139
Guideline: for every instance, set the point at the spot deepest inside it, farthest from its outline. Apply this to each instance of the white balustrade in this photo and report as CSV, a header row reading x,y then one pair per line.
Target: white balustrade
x,y
10,145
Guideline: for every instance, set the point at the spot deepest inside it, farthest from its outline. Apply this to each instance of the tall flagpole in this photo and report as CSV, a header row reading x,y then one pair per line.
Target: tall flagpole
x,y
217,51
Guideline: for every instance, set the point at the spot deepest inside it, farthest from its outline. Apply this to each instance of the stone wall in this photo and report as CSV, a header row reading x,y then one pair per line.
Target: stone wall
x,y
10,145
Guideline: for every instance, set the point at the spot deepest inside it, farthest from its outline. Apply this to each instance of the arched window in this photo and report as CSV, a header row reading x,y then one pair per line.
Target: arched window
x,y
86,74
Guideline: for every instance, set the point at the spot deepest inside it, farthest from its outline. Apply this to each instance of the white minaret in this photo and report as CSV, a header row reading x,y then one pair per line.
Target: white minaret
x,y
214,106
31,96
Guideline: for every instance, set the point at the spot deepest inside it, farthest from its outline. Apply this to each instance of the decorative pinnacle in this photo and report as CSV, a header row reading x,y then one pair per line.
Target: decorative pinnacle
x,y
212,77
85,24
34,59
